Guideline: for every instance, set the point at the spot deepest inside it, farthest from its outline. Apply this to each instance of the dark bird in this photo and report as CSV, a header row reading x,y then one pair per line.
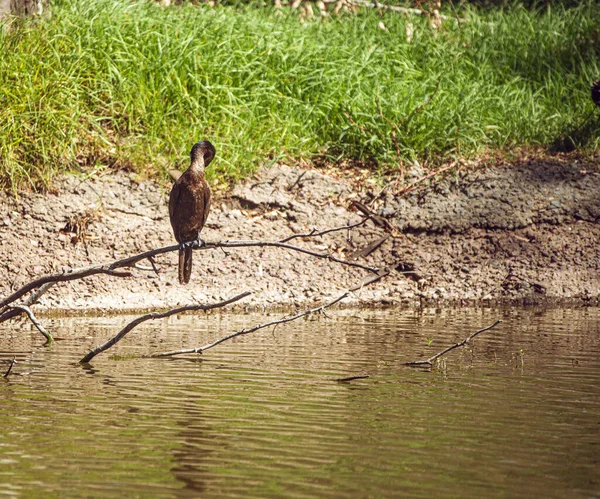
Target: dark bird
x,y
596,92
189,204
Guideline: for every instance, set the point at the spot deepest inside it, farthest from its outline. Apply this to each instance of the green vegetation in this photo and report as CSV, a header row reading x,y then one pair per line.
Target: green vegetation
x,y
111,82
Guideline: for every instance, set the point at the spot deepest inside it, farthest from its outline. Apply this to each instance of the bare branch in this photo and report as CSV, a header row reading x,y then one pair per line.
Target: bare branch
x,y
321,308
315,233
277,244
71,276
10,366
430,360
156,315
110,268
10,312
36,323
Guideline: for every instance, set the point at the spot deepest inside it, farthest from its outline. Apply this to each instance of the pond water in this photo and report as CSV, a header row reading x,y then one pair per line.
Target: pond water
x,y
517,414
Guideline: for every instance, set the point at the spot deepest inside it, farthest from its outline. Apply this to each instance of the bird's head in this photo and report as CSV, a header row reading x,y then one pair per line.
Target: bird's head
x,y
202,153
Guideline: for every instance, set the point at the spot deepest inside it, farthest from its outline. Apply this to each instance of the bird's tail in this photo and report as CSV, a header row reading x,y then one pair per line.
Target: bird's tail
x,y
185,265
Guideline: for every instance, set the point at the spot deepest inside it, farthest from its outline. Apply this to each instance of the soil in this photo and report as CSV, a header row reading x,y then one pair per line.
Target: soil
x,y
526,232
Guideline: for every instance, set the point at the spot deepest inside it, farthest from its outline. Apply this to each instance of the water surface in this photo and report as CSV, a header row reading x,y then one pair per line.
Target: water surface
x,y
515,415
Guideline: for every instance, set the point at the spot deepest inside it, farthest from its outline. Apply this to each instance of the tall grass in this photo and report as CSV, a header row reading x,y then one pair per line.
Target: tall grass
x,y
121,83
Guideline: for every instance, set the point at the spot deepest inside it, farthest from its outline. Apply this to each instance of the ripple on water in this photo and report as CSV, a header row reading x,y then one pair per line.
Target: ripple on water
x,y
514,414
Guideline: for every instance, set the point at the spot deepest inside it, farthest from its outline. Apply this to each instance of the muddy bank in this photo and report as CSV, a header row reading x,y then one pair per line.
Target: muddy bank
x,y
527,233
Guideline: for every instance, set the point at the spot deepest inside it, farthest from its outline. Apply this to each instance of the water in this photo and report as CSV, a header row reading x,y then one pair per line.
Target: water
x,y
517,415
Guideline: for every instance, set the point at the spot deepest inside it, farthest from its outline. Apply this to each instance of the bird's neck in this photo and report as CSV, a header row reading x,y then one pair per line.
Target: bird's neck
x,y
197,167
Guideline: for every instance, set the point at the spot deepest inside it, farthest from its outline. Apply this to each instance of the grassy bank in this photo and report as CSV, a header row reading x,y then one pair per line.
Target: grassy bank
x,y
121,83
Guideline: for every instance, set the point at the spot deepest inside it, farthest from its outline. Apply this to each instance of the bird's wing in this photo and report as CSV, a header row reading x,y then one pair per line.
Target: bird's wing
x,y
206,206
174,198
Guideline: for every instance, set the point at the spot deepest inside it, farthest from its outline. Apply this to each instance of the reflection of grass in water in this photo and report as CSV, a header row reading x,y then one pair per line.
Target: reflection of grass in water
x,y
135,85
123,357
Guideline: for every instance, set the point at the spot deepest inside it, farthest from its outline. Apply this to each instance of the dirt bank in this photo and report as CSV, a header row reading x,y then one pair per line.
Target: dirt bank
x,y
525,232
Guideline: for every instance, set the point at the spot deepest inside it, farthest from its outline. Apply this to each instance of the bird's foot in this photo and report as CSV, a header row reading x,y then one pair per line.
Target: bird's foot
x,y
195,244
186,244
198,243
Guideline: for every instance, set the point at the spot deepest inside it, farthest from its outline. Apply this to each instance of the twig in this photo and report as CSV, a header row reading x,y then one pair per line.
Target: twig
x,y
277,244
300,177
430,360
110,268
12,363
251,330
315,233
10,312
76,274
412,185
153,263
369,280
394,139
362,128
367,250
36,323
422,106
377,220
156,315
351,378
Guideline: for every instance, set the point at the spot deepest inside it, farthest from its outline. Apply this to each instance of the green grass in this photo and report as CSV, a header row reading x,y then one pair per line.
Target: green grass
x,y
111,82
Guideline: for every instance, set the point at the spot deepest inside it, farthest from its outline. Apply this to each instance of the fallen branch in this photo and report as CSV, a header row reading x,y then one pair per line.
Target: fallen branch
x,y
321,308
367,250
377,219
110,268
10,366
156,315
430,360
36,323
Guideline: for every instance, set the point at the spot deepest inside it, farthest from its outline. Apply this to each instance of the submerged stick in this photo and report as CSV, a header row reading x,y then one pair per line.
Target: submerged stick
x,y
10,366
156,315
430,360
250,330
352,378
36,323
321,308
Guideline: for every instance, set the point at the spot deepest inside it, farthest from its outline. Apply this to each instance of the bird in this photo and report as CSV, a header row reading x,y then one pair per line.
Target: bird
x,y
596,92
189,204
